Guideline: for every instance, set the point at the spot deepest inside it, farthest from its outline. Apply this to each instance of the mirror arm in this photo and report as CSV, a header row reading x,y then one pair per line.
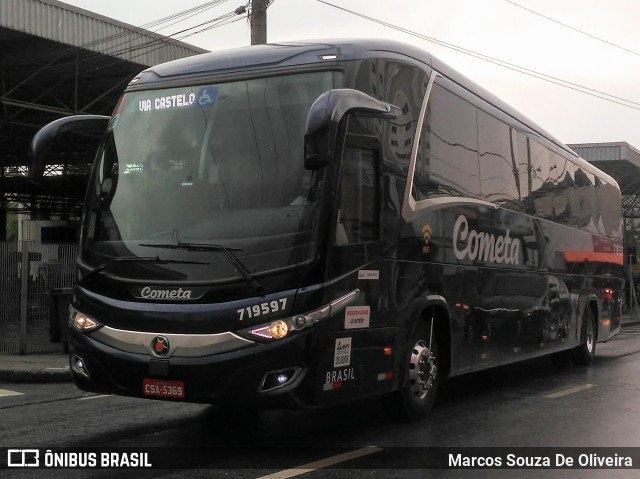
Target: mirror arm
x,y
325,116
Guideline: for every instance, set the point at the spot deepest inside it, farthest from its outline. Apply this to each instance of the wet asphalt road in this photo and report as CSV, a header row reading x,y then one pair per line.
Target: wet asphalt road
x,y
531,404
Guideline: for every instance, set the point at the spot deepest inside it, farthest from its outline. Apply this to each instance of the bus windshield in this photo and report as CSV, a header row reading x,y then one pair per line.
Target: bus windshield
x,y
219,164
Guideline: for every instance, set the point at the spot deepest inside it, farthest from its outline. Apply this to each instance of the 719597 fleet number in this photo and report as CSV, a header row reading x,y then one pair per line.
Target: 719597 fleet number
x,y
263,309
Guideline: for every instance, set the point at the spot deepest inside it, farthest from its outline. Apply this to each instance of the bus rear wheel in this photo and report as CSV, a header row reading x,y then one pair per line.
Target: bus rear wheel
x,y
586,351
415,400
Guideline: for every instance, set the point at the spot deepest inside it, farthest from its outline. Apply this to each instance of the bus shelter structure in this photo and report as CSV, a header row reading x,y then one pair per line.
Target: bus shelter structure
x,y
57,60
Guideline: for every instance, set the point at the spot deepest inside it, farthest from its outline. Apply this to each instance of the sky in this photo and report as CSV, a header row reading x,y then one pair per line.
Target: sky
x,y
499,29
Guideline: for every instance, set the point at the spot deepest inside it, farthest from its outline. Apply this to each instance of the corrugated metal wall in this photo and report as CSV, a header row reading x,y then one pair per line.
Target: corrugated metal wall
x,y
608,152
72,26
599,153
28,301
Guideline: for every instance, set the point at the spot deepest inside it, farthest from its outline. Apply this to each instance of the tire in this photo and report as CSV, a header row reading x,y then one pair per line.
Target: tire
x,y
415,400
586,351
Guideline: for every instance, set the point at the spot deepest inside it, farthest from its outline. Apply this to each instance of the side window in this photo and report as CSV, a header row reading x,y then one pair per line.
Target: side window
x,y
541,180
447,162
523,166
358,203
583,198
609,208
565,186
498,167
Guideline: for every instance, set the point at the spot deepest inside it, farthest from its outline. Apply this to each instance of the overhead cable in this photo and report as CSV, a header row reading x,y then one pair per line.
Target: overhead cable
x,y
504,64
574,28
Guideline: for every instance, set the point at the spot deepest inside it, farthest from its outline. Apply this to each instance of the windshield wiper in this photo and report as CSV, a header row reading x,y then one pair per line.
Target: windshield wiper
x,y
135,259
228,252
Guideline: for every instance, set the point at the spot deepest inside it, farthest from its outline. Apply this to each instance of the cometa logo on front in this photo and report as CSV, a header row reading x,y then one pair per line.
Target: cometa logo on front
x,y
155,293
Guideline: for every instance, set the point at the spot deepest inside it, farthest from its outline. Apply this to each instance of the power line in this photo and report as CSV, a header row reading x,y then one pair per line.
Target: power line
x,y
127,37
153,45
525,71
574,28
185,13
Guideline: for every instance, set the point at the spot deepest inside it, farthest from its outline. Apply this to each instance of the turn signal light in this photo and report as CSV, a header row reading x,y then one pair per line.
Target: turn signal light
x,y
278,329
286,327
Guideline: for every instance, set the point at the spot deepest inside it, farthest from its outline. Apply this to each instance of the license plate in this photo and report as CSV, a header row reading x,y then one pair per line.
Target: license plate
x,y
163,388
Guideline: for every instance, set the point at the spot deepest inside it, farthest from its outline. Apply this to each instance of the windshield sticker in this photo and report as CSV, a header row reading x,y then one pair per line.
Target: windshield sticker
x,y
207,96
356,317
342,354
167,102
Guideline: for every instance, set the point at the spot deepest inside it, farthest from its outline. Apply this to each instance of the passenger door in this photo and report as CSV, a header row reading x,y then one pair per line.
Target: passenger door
x,y
355,262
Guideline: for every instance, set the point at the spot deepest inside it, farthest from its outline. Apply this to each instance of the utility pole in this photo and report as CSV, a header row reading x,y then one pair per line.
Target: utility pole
x,y
258,21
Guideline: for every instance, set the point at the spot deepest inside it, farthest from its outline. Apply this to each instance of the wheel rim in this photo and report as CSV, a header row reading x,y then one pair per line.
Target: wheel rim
x,y
589,339
422,371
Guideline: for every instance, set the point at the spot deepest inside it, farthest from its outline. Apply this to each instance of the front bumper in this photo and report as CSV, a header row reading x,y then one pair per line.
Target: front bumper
x,y
236,375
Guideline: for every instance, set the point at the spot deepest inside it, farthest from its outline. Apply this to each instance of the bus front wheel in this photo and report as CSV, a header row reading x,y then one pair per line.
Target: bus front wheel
x,y
586,351
415,399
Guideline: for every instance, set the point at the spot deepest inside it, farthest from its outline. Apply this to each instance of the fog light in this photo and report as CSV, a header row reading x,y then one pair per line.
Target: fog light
x,y
279,379
78,366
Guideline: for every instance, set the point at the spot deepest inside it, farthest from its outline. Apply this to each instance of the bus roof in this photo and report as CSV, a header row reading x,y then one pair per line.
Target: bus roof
x,y
330,52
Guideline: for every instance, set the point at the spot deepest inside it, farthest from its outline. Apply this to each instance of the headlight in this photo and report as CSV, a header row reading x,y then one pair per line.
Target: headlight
x,y
282,328
81,322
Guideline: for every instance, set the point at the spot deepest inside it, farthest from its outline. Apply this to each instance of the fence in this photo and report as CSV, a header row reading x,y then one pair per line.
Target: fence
x,y
30,274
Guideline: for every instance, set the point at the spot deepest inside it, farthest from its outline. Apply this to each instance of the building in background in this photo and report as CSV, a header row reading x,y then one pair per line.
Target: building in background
x,y
55,60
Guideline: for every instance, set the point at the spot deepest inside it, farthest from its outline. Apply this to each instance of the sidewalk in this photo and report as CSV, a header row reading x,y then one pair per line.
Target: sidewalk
x,y
35,368
50,368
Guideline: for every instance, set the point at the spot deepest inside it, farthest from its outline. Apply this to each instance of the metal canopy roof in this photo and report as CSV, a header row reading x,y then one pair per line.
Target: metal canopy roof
x,y
58,60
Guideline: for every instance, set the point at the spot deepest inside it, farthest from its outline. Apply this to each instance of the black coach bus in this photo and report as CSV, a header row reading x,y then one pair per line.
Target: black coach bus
x,y
310,223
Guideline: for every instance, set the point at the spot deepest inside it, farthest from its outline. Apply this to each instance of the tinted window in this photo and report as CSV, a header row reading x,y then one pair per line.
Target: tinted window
x,y
497,161
220,164
582,199
357,209
565,185
541,180
523,166
610,209
562,182
447,163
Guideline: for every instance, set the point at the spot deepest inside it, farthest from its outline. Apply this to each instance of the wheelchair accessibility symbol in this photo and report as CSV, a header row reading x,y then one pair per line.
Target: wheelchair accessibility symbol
x,y
207,96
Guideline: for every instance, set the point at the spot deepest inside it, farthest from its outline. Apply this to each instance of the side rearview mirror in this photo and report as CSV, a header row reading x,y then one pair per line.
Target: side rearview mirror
x,y
324,118
45,137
